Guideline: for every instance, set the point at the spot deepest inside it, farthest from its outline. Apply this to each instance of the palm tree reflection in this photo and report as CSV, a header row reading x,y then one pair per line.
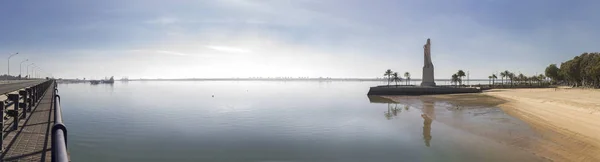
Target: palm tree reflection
x,y
392,111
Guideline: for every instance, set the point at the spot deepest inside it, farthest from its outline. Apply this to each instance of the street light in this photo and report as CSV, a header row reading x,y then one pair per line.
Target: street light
x,y
33,72
29,76
9,62
21,67
37,72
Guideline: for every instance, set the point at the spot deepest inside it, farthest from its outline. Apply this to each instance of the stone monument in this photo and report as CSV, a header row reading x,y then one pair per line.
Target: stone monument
x,y
428,79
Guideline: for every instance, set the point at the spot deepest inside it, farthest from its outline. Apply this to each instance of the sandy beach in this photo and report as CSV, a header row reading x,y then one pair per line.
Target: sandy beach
x,y
568,119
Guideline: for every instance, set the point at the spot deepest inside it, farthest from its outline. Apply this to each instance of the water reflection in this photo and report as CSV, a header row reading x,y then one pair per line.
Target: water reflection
x,y
273,121
427,129
428,114
392,111
428,108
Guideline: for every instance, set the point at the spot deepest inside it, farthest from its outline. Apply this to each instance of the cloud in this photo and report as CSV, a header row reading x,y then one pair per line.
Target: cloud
x,y
163,21
163,52
228,49
347,38
172,53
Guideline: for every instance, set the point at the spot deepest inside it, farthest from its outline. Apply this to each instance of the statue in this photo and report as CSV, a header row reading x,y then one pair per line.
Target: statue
x,y
428,79
427,51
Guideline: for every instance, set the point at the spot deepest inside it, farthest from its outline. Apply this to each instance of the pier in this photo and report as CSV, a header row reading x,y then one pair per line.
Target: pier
x,y
32,128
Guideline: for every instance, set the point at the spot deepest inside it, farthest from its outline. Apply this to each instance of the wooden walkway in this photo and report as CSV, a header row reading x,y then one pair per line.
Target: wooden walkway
x,y
32,140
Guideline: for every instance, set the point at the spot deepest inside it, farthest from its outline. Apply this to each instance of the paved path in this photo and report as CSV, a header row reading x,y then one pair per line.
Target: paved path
x,y
31,141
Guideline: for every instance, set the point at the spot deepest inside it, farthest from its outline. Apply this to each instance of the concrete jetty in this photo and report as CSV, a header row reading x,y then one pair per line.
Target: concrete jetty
x,y
419,90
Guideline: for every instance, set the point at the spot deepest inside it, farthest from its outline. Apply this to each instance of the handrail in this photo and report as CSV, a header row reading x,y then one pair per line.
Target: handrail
x,y
59,132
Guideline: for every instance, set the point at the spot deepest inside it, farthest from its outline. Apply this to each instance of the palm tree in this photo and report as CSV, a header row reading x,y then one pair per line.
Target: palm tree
x,y
541,78
490,79
533,79
494,77
388,74
511,76
521,78
395,78
460,74
503,75
455,79
407,76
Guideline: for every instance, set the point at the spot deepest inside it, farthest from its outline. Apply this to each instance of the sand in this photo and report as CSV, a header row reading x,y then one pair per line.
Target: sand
x,y
568,120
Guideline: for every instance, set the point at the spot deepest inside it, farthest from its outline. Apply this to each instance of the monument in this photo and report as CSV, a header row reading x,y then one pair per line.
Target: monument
x,y
428,86
427,79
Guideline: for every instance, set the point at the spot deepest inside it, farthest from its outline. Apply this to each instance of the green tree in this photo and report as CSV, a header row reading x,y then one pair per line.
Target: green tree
x,y
511,76
504,74
494,77
521,78
388,73
396,78
571,71
582,70
407,76
552,72
455,79
490,80
460,74
541,78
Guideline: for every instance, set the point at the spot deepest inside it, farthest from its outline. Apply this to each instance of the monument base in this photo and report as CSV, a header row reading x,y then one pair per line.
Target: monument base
x,y
430,84
419,90
428,79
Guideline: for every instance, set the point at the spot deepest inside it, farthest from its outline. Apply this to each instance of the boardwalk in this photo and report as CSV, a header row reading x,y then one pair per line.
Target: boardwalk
x,y
31,141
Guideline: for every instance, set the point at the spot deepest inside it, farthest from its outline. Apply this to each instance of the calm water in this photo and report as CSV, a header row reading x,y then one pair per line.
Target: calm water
x,y
277,121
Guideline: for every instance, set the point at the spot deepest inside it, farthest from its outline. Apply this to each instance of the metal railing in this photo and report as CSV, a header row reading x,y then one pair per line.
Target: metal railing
x,y
59,132
22,102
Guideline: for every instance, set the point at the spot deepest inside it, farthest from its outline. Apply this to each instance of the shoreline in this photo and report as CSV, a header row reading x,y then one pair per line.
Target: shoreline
x,y
567,119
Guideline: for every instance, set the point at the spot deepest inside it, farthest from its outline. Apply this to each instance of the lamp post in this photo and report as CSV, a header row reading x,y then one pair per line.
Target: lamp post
x,y
37,72
21,67
33,72
28,75
8,73
8,60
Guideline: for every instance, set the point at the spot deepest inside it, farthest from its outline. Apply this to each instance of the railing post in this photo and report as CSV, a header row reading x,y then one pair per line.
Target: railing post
x,y
32,95
15,100
2,123
24,104
37,93
36,90
29,100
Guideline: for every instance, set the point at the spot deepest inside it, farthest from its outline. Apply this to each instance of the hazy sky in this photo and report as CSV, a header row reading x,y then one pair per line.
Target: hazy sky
x,y
335,38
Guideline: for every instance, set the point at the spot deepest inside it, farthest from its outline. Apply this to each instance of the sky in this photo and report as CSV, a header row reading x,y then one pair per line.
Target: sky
x,y
293,38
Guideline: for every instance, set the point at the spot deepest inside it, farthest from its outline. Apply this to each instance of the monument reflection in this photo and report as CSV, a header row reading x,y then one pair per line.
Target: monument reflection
x,y
427,113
